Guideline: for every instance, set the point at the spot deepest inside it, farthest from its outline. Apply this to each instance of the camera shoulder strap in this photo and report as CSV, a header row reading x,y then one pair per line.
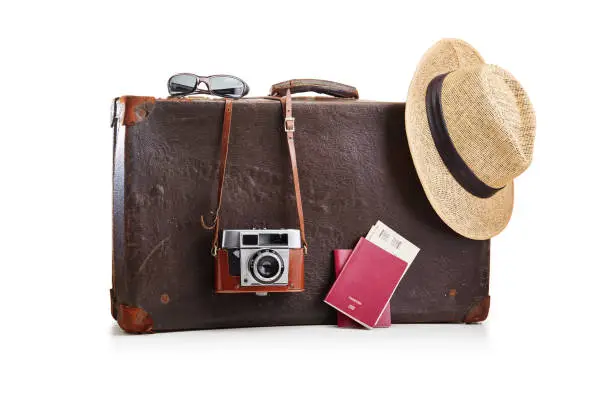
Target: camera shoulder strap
x,y
225,137
289,126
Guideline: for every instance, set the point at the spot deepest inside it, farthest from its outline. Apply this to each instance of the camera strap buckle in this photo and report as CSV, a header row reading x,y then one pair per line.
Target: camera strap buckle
x,y
289,124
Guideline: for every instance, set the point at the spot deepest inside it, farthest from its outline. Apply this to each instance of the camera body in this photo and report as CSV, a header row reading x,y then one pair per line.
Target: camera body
x,y
260,261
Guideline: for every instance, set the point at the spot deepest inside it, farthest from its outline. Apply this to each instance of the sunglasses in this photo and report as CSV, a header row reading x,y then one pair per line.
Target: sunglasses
x,y
226,86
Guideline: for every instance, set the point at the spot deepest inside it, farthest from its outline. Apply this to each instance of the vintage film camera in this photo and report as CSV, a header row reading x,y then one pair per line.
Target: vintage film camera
x,y
260,261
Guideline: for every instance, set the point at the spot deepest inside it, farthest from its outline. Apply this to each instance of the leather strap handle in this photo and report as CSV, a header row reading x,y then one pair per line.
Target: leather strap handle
x,y
314,85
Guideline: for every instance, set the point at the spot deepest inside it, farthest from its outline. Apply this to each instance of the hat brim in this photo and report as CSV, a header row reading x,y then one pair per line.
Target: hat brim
x,y
468,215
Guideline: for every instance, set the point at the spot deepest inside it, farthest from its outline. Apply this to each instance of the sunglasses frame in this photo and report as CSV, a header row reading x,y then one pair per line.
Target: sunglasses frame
x,y
206,80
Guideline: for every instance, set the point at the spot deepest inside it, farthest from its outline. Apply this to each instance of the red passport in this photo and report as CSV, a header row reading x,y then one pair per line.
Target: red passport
x,y
366,283
340,258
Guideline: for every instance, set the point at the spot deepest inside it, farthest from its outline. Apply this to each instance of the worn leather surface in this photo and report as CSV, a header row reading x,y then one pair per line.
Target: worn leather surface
x,y
355,168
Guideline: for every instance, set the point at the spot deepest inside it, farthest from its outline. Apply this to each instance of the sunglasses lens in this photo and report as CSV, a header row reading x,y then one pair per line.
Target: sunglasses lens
x,y
182,83
227,86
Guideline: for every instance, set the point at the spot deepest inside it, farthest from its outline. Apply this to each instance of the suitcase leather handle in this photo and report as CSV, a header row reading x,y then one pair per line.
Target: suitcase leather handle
x,y
314,85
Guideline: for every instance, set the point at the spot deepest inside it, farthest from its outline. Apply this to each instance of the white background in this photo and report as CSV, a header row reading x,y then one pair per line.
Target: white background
x,y
547,339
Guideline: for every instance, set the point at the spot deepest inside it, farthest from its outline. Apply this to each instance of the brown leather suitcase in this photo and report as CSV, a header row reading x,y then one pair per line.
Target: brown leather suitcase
x,y
354,168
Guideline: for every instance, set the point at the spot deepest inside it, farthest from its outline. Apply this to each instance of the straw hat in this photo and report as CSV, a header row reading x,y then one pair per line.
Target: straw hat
x,y
470,129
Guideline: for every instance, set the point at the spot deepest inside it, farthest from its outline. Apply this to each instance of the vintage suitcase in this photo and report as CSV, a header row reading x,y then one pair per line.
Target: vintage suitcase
x,y
355,168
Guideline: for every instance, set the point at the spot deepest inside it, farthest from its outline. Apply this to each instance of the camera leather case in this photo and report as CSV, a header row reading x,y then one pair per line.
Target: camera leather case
x,y
355,167
226,283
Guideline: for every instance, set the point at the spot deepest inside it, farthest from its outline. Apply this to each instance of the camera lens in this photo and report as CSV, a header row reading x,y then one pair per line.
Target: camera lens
x,y
267,267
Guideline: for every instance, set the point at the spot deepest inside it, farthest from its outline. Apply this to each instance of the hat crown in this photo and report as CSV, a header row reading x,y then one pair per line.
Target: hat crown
x,y
491,122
